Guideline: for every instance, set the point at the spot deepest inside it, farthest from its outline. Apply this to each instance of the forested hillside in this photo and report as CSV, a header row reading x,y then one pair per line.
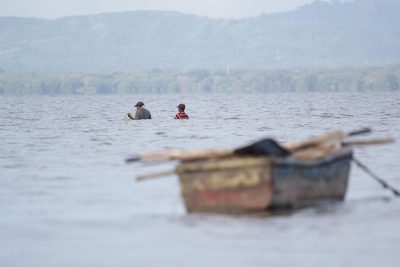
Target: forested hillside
x,y
352,33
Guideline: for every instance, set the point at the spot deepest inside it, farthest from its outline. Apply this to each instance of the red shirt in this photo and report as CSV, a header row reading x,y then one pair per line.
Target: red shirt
x,y
181,115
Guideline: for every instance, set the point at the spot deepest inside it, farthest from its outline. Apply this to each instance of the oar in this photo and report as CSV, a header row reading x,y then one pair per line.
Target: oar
x,y
330,137
377,178
377,141
154,175
179,155
265,146
324,149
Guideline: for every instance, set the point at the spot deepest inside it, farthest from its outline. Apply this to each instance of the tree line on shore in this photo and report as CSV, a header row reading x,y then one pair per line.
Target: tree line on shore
x,y
201,80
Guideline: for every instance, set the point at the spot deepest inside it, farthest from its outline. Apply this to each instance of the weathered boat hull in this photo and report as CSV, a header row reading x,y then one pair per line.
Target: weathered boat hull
x,y
299,183
254,184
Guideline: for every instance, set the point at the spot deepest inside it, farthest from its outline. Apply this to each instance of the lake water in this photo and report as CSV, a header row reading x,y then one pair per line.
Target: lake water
x,y
68,199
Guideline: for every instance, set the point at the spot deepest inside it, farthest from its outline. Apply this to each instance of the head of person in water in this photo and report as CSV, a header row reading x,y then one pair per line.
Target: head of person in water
x,y
181,107
139,105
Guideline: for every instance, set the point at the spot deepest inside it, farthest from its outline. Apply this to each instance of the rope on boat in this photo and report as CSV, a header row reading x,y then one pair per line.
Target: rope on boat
x,y
377,178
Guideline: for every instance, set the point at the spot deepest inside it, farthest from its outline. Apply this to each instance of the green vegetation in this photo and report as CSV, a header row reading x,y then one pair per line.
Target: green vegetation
x,y
204,81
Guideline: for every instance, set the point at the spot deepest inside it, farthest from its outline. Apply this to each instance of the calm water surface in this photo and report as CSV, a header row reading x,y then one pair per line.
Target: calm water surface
x,y
68,199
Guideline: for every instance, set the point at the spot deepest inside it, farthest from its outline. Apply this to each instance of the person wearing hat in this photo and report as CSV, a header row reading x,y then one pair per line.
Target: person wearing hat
x,y
141,113
181,112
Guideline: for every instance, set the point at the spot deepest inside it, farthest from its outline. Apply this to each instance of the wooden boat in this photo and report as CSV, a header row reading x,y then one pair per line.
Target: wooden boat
x,y
254,184
264,175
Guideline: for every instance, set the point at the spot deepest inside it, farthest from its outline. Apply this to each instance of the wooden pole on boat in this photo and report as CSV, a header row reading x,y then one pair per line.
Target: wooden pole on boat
x,y
377,178
376,141
180,155
154,175
330,137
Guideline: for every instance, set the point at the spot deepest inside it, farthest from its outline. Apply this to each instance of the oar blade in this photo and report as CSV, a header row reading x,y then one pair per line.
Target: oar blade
x,y
132,159
361,131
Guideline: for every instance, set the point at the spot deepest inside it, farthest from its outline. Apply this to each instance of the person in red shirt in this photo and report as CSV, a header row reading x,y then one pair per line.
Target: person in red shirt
x,y
181,112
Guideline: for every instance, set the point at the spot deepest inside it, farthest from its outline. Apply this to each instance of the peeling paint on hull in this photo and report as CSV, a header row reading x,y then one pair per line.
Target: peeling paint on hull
x,y
254,184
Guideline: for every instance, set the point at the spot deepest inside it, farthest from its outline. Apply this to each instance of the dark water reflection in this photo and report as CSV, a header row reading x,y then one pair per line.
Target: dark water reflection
x,y
68,199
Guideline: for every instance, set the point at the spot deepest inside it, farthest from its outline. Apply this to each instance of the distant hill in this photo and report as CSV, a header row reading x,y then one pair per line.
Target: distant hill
x,y
356,33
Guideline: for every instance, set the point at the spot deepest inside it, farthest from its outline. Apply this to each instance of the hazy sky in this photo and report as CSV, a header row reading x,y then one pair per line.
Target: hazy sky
x,y
210,8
